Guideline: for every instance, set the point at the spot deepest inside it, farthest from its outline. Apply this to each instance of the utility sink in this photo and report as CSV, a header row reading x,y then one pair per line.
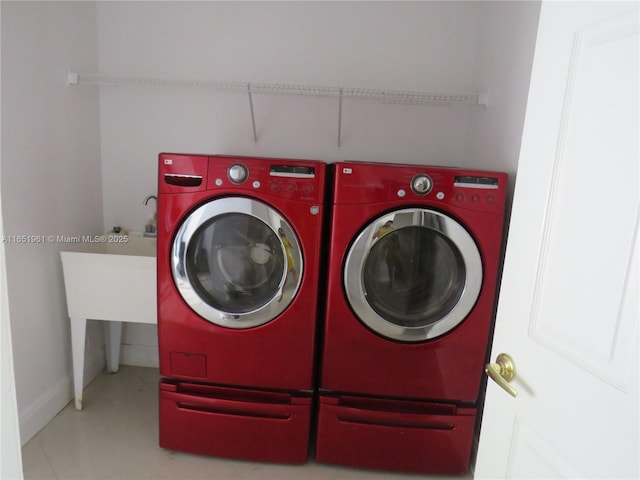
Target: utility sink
x,y
112,278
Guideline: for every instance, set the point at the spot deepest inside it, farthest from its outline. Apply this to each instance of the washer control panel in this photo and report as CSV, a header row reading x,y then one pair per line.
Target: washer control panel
x,y
294,179
301,180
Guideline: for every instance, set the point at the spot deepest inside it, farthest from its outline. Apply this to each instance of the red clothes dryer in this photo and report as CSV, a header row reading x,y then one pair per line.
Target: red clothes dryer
x,y
238,265
413,270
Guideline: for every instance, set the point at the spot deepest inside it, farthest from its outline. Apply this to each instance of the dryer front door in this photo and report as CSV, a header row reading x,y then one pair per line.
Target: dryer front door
x,y
236,262
413,274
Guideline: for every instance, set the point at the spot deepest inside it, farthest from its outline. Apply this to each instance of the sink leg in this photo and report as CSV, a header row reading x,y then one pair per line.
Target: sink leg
x,y
113,337
78,332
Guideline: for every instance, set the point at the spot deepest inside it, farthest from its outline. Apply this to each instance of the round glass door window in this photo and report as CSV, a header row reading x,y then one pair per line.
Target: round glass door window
x,y
413,274
236,262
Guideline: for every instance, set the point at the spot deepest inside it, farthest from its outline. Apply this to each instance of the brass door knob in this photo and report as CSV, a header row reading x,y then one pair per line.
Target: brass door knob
x,y
502,372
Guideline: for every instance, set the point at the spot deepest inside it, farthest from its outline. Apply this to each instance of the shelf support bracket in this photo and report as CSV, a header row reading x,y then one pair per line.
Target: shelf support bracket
x,y
340,119
253,117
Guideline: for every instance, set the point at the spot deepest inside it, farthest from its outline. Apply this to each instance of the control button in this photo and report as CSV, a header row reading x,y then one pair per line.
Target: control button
x,y
218,182
458,197
307,187
475,198
256,184
275,186
440,195
315,209
292,187
421,184
401,193
491,199
238,173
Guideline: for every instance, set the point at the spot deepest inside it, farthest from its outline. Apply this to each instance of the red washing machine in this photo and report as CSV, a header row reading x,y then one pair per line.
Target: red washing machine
x,y
413,270
238,266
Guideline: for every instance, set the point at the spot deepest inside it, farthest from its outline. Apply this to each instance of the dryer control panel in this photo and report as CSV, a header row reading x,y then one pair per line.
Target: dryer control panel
x,y
367,183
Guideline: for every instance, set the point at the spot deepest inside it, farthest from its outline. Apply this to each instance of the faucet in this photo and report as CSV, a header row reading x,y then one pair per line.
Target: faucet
x,y
150,228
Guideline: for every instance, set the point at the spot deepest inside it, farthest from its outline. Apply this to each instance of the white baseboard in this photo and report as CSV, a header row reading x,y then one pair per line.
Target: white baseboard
x,y
41,411
44,408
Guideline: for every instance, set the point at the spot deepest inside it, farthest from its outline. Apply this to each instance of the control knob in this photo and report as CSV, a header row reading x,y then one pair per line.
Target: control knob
x,y
421,184
238,173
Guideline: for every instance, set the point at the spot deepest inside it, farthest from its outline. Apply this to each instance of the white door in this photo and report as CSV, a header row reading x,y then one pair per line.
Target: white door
x,y
568,310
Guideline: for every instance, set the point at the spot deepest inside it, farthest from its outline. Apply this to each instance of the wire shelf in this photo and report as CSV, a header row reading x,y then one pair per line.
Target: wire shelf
x,y
399,97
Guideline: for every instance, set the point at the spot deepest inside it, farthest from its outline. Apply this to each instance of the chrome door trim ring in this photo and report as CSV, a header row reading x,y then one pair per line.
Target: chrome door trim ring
x,y
220,206
357,256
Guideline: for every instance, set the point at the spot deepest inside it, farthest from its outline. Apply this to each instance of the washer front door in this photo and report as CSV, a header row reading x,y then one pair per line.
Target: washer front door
x,y
236,262
413,274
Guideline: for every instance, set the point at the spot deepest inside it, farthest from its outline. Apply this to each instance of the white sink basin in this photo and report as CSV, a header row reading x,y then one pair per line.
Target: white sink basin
x,y
112,279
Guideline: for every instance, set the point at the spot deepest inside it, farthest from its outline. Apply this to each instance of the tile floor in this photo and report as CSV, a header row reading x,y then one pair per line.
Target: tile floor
x,y
116,437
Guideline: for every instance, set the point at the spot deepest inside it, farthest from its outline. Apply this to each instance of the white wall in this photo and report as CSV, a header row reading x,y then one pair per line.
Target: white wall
x,y
424,46
51,184
502,68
